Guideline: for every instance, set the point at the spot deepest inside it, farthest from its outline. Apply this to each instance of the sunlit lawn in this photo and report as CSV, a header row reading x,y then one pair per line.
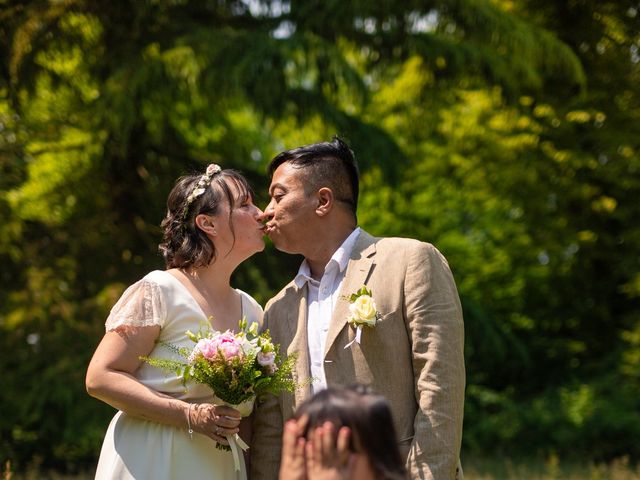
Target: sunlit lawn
x,y
551,469
474,469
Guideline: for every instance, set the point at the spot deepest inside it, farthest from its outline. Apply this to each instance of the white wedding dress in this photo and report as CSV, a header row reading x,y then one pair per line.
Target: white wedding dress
x,y
139,449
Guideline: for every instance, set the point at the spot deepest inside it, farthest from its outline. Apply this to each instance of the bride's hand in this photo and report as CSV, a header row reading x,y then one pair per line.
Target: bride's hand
x,y
214,421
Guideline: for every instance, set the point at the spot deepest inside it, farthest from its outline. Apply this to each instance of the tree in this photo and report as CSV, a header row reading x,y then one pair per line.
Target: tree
x,y
104,104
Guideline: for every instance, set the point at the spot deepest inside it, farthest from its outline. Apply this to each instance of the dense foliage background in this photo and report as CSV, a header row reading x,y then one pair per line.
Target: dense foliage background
x,y
507,133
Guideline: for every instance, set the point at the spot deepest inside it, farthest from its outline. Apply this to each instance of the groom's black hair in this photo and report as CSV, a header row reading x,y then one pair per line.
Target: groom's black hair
x,y
326,164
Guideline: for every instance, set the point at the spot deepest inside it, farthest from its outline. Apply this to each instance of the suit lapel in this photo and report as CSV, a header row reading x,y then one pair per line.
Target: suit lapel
x,y
358,269
299,344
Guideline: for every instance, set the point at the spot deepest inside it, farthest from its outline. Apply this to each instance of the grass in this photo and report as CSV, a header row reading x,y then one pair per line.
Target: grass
x,y
475,468
551,469
34,473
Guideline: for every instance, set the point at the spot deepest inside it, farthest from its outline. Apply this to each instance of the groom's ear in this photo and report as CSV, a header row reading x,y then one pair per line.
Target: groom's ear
x,y
325,201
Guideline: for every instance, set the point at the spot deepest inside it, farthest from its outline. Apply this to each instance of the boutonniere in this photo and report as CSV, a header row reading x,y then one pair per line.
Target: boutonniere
x,y
362,311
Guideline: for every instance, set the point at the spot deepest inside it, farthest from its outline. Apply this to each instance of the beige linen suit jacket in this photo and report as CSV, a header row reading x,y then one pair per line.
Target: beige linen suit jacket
x,y
413,356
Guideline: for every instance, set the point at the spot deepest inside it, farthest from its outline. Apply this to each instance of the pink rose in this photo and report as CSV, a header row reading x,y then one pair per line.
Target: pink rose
x,y
230,350
228,345
208,348
268,360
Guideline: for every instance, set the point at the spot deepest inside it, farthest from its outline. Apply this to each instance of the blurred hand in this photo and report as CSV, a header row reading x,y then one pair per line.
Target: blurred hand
x,y
327,454
292,463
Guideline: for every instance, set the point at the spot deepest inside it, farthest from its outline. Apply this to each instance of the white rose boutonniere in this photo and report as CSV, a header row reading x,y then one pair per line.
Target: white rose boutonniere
x,y
363,312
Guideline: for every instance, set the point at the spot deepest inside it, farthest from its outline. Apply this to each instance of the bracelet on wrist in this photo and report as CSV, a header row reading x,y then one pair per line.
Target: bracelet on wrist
x,y
189,429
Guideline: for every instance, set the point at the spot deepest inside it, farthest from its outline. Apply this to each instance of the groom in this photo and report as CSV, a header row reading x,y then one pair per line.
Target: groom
x,y
413,354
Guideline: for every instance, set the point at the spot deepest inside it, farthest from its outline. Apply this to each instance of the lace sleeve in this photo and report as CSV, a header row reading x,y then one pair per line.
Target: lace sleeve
x,y
141,305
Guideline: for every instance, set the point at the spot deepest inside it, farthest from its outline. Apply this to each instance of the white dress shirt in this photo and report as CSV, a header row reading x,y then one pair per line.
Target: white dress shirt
x,y
321,299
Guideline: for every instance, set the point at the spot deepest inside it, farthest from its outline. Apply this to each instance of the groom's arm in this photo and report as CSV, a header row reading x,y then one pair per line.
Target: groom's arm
x,y
434,322
266,441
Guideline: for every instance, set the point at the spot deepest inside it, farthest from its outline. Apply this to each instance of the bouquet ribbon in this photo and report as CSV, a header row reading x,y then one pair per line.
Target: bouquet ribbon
x,y
237,444
358,337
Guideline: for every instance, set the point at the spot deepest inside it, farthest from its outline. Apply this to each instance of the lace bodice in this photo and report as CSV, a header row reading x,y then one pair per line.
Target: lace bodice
x,y
160,299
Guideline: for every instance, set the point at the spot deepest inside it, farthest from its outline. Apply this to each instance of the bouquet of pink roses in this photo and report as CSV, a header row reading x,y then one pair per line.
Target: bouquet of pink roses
x,y
236,366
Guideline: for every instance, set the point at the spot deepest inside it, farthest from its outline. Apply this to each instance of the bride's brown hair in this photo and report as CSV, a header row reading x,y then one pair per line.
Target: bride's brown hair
x,y
183,244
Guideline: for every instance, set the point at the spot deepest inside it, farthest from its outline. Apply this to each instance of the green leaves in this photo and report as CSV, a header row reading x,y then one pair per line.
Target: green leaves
x,y
506,133
362,291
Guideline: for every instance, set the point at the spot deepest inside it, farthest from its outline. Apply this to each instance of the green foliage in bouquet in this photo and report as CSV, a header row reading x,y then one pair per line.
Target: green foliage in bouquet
x,y
237,367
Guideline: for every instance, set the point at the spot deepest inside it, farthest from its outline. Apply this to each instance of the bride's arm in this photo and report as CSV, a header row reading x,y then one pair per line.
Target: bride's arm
x,y
110,378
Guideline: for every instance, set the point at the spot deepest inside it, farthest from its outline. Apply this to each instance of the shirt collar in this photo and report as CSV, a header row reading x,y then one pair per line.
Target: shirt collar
x,y
340,257
304,275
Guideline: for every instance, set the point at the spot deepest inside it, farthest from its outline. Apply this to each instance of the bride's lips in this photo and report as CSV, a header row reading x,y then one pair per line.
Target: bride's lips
x,y
267,228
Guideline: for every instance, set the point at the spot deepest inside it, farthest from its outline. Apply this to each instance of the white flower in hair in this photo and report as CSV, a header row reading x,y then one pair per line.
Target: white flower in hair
x,y
213,169
201,186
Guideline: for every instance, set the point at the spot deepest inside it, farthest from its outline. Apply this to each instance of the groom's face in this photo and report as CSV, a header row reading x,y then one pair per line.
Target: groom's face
x,y
291,211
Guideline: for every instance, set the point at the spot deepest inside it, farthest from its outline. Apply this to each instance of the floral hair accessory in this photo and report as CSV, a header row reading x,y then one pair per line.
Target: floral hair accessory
x,y
201,186
363,312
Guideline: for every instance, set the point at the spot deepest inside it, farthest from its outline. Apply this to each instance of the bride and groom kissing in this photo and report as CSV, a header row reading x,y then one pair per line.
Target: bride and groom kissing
x,y
380,312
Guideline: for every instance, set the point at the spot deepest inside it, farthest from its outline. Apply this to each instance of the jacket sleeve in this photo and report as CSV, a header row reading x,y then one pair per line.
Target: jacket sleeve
x,y
433,317
266,441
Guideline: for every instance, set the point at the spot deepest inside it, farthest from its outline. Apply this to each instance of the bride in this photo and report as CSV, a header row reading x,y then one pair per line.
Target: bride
x,y
162,429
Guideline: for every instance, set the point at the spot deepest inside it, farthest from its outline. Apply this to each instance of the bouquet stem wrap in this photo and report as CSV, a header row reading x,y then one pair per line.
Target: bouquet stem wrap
x,y
236,444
